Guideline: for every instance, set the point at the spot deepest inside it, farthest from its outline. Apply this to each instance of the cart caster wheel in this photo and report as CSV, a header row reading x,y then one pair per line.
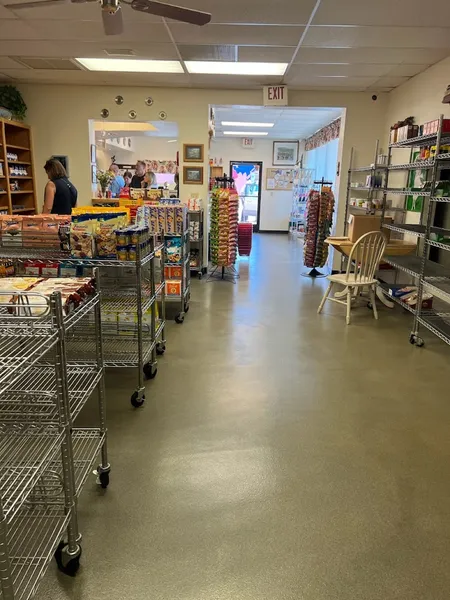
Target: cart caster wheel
x,y
200,275
136,401
179,318
186,308
160,349
370,305
67,563
150,371
103,478
416,340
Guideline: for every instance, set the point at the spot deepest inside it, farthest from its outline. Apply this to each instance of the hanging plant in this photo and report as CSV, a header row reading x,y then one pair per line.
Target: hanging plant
x,y
11,98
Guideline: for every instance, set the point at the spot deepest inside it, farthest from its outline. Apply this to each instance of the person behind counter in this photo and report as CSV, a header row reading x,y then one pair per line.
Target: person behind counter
x,y
117,183
138,177
127,176
60,195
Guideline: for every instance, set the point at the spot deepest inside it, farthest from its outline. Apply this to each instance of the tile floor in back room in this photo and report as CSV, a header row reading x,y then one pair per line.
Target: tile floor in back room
x,y
280,455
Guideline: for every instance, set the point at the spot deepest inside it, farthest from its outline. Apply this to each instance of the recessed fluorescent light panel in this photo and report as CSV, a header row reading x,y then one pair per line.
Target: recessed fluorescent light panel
x,y
211,67
126,65
245,133
244,124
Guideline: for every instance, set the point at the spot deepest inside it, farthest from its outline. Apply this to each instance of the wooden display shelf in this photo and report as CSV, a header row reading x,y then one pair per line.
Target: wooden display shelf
x,y
15,136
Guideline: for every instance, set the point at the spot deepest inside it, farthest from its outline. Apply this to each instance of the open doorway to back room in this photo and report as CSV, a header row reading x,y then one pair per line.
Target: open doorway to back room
x,y
265,150
125,144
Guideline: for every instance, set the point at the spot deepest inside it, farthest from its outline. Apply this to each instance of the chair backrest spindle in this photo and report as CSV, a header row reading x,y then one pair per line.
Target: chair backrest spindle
x,y
365,257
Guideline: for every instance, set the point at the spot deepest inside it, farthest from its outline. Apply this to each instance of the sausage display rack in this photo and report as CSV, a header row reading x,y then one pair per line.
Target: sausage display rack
x,y
44,459
129,289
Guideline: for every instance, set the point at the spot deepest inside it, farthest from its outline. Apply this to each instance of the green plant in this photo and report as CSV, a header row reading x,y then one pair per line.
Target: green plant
x,y
11,98
104,178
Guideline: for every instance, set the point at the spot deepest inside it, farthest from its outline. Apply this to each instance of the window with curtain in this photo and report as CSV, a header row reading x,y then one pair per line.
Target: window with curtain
x,y
324,160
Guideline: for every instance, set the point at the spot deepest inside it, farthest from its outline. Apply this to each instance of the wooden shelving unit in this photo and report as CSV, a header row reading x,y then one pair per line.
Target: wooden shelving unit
x,y
16,138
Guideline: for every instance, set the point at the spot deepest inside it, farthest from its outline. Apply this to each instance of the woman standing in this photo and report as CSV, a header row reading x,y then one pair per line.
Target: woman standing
x,y
60,194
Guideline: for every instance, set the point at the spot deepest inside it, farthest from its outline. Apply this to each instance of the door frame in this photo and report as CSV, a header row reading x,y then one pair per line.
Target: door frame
x,y
252,162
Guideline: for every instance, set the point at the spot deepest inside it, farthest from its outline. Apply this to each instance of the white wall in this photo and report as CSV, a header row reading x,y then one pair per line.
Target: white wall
x,y
275,205
143,147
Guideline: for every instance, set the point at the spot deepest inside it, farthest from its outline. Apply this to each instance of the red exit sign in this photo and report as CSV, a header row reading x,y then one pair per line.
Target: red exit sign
x,y
275,95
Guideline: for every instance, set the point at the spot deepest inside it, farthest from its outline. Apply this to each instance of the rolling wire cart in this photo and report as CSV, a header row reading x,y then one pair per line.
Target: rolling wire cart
x,y
132,336
196,228
181,296
44,461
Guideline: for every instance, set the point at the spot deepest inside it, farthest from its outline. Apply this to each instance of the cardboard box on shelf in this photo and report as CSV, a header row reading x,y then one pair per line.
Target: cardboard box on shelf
x,y
174,272
173,288
358,225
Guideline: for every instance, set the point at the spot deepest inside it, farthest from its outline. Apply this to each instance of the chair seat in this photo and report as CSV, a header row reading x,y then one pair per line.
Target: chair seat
x,y
342,279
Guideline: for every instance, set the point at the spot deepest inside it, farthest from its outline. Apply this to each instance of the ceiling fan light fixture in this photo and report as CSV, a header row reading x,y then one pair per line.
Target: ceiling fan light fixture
x,y
125,65
212,67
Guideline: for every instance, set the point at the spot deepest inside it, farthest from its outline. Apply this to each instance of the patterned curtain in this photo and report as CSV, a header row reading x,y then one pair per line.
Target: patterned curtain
x,y
323,136
162,166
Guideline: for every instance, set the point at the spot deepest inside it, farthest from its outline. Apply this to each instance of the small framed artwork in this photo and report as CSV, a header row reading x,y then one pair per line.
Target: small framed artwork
x,y
193,152
285,153
193,175
94,173
93,154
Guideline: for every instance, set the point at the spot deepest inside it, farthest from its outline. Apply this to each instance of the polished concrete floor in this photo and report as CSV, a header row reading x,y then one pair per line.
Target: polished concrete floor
x,y
280,455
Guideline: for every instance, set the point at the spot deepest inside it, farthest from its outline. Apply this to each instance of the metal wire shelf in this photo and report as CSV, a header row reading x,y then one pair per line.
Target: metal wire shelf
x,y
439,199
440,245
417,230
420,164
422,140
51,255
444,156
385,289
26,451
407,192
369,168
32,540
437,324
33,397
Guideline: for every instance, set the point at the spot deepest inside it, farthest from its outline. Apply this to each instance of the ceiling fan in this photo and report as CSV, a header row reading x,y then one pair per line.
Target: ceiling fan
x,y
112,11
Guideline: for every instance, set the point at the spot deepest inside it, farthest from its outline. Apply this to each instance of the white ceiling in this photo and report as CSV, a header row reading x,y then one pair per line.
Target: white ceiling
x,y
163,129
352,45
289,123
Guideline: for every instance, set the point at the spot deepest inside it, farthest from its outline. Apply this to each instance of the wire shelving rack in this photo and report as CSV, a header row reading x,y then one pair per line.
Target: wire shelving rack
x,y
134,337
44,459
197,241
429,275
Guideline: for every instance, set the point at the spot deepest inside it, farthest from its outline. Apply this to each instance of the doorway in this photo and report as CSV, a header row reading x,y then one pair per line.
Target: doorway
x,y
247,178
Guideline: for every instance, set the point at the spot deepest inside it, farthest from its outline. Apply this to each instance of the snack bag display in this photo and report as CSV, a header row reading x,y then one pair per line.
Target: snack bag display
x,y
82,232
32,233
161,219
173,249
11,230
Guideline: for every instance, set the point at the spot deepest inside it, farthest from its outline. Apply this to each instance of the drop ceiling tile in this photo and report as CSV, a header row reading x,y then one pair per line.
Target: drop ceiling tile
x,y
416,56
4,77
29,48
416,13
13,29
378,37
406,70
5,13
358,70
255,11
91,30
337,82
391,81
9,63
233,82
268,54
242,35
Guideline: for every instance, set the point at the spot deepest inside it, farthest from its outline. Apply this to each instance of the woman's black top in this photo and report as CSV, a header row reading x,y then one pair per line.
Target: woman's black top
x,y
65,197
136,181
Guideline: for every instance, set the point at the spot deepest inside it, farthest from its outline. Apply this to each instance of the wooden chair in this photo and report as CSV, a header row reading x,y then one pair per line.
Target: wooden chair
x,y
362,264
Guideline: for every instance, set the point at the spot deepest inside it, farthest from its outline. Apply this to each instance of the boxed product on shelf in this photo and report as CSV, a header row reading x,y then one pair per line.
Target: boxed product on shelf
x,y
411,299
397,291
173,272
173,287
11,230
161,218
170,219
432,127
194,231
358,225
7,268
180,219
82,232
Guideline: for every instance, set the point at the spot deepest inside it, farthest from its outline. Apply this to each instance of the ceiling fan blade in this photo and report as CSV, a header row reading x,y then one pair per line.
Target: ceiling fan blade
x,y
36,4
170,11
112,23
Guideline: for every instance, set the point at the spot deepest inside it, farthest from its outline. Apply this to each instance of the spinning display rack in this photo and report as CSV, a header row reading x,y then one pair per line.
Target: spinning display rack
x,y
319,216
44,459
303,182
131,333
224,230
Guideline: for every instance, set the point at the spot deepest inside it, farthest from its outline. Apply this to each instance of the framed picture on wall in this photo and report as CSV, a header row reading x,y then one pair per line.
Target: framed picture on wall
x,y
193,152
285,153
94,173
93,154
193,175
